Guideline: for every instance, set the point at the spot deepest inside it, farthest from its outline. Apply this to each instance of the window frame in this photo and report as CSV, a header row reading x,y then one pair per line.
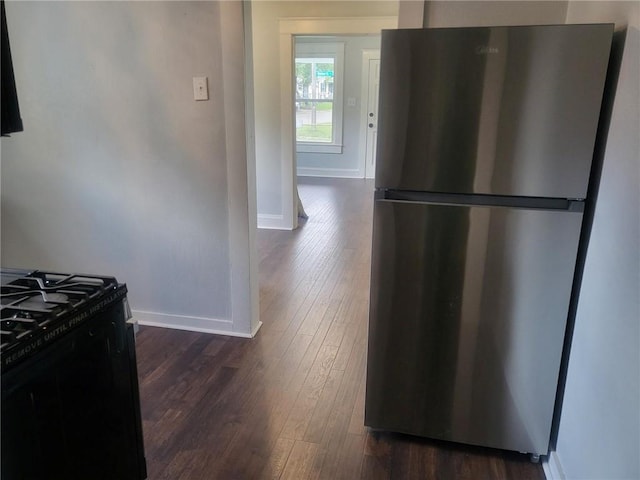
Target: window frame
x,y
335,50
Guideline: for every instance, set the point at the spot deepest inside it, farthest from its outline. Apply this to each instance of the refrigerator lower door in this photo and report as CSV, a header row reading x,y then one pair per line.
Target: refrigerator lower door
x,y
467,321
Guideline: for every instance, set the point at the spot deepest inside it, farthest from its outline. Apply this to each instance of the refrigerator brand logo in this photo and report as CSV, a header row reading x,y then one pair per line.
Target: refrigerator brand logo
x,y
486,50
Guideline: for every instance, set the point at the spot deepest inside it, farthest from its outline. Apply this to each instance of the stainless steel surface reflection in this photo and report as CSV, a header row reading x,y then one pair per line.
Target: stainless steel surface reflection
x,y
500,110
468,311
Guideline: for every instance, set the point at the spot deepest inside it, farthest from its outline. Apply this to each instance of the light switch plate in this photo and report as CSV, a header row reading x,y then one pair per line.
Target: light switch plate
x,y
200,88
351,101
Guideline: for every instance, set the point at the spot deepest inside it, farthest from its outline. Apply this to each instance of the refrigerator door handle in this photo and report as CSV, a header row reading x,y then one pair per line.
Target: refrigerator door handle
x,y
531,203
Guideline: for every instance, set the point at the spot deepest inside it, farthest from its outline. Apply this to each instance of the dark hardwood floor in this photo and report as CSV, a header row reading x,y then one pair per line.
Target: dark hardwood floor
x,y
289,403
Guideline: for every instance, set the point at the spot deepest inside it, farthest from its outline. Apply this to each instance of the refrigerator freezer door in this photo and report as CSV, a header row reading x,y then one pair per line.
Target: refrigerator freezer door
x,y
467,319
491,110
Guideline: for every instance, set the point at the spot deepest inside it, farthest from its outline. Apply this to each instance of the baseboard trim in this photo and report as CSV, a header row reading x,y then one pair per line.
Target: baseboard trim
x,y
553,468
272,222
192,324
255,330
329,172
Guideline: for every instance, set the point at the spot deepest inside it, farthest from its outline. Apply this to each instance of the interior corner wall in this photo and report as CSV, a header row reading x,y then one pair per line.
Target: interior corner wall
x,y
119,171
266,16
599,430
235,34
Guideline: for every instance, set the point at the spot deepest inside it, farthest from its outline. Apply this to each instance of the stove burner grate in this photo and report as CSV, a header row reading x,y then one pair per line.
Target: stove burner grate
x,y
32,303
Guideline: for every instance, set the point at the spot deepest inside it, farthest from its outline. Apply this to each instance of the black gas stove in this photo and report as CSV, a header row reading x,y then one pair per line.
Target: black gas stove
x,y
39,307
70,402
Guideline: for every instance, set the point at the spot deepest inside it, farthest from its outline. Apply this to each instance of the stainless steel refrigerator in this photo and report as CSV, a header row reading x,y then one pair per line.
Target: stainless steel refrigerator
x,y
485,144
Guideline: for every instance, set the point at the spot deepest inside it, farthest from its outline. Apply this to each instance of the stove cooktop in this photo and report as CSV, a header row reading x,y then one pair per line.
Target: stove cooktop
x,y
36,307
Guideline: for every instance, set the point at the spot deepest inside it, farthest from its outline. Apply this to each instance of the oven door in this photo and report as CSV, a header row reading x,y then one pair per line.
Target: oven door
x,y
72,411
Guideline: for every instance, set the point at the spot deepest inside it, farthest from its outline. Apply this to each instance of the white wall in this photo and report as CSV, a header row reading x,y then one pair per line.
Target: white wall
x,y
488,13
410,13
271,161
599,433
349,163
119,171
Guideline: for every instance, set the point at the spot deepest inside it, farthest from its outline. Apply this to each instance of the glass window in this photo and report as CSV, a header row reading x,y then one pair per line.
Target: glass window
x,y
314,99
318,97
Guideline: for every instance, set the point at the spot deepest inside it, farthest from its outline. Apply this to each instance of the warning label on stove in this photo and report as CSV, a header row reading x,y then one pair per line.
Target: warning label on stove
x,y
45,335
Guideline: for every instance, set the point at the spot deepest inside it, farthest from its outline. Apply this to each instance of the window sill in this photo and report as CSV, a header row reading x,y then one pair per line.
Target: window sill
x,y
318,148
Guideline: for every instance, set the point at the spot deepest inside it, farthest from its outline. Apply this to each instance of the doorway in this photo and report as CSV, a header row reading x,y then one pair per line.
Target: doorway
x,y
331,103
274,140
370,92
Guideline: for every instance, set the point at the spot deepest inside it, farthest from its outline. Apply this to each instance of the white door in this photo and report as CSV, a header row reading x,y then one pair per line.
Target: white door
x,y
373,76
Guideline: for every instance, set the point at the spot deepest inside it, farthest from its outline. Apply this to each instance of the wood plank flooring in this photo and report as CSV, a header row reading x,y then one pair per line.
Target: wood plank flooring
x,y
289,403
